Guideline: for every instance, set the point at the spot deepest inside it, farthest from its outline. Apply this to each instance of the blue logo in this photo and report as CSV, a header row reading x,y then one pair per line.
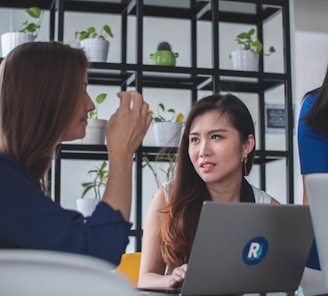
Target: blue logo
x,y
255,250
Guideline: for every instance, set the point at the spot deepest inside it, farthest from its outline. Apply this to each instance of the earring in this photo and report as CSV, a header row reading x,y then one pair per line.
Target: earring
x,y
245,159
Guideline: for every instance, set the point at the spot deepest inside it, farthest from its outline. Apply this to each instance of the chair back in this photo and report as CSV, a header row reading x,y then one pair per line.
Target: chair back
x,y
39,273
129,266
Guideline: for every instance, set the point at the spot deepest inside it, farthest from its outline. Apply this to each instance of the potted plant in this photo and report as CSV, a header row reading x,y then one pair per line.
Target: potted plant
x,y
96,45
246,58
167,126
27,33
96,129
168,158
164,55
87,205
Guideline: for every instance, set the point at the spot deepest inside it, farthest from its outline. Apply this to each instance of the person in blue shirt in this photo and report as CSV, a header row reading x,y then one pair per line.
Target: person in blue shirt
x,y
43,102
312,138
313,142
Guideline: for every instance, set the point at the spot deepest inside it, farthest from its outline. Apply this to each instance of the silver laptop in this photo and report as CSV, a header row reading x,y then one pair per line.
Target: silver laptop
x,y
317,191
248,248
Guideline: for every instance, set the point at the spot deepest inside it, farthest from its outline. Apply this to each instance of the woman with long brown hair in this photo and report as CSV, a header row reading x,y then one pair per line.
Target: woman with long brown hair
x,y
217,150
43,102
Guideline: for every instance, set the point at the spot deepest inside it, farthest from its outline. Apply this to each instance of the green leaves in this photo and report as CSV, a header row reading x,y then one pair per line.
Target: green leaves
x,y
248,41
34,12
108,31
99,99
92,33
100,180
162,112
31,27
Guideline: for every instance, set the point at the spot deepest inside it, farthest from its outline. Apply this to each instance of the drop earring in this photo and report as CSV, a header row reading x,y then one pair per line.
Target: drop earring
x,y
245,159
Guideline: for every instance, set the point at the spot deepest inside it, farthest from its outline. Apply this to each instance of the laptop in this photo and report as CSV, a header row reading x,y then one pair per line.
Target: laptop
x,y
247,248
317,191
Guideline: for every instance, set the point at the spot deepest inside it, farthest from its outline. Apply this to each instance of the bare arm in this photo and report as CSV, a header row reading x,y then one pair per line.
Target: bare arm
x,y
305,197
152,266
274,201
125,131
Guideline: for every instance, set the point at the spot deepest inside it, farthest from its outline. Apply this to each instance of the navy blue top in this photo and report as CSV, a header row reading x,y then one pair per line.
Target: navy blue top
x,y
31,220
312,144
313,154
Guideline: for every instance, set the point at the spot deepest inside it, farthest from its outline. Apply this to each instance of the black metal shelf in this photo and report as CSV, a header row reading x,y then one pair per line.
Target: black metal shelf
x,y
183,77
43,4
99,152
193,78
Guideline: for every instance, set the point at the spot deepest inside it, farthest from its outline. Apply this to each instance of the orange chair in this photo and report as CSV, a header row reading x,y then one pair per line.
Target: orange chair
x,y
129,266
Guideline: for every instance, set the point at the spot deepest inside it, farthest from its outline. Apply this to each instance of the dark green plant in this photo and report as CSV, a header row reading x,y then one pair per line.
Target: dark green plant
x,y
33,27
248,41
91,32
162,113
100,180
99,99
168,173
164,46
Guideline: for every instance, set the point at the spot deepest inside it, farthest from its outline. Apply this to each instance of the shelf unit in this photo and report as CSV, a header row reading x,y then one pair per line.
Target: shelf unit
x,y
194,78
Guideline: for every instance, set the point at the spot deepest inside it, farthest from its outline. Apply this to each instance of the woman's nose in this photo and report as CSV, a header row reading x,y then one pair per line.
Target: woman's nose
x,y
204,149
90,106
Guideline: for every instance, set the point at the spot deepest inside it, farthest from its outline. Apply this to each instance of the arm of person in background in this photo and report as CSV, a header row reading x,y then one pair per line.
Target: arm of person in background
x,y
125,131
152,266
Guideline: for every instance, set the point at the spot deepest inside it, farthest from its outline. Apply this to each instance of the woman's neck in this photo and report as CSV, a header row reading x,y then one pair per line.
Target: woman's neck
x,y
228,191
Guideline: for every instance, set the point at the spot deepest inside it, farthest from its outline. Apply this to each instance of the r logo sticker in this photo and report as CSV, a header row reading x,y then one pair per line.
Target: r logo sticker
x,y
255,250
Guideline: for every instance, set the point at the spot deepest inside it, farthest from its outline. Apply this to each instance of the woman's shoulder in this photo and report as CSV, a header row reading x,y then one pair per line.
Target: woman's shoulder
x,y
261,196
308,102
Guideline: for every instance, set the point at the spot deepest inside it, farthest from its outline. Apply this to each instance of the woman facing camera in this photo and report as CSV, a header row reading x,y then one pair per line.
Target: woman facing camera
x,y
217,150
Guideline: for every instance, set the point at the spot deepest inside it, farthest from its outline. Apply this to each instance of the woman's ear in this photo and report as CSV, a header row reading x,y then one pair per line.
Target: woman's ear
x,y
248,144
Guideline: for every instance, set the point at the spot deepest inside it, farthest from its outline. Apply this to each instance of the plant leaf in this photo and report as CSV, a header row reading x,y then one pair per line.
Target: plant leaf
x,y
108,30
34,12
100,98
179,118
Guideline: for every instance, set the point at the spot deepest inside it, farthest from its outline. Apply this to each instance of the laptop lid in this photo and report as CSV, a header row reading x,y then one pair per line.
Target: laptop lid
x,y
317,191
246,248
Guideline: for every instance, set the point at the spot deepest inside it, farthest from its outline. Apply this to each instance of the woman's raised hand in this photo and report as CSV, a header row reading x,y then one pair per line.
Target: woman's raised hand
x,y
129,124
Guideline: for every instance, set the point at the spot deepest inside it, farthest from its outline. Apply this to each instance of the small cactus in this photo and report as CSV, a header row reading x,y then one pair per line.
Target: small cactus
x,y
164,46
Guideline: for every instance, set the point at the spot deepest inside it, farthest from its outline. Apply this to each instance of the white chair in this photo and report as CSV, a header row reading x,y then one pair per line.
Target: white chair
x,y
47,273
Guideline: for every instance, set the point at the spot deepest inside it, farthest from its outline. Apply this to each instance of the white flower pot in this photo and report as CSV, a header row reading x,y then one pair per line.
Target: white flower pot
x,y
167,134
95,132
12,39
245,60
96,49
86,206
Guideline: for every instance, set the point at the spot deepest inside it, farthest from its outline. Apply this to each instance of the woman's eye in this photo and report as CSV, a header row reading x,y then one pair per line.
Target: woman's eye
x,y
193,140
216,137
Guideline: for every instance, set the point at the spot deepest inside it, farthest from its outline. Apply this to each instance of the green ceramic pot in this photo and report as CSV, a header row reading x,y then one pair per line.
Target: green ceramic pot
x,y
164,58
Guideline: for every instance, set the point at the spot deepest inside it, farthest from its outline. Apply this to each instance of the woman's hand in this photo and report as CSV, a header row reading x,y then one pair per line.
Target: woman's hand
x,y
178,275
125,131
128,125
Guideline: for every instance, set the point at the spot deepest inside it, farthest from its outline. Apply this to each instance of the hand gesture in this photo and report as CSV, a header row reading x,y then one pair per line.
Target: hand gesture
x,y
128,125
178,275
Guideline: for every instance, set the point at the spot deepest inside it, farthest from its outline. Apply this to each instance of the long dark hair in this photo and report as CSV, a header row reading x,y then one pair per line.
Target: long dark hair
x,y
317,116
40,86
188,191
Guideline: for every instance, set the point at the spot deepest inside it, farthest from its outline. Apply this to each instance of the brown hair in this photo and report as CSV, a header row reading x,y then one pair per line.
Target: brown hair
x,y
40,84
188,191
